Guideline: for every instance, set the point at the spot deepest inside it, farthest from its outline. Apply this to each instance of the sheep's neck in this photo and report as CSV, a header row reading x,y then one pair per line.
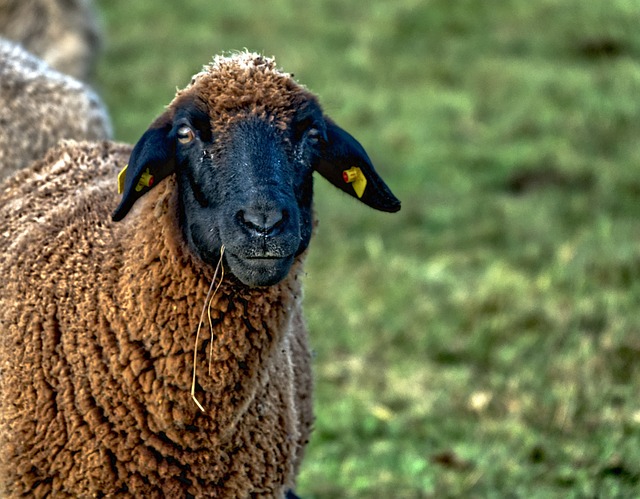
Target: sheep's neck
x,y
162,293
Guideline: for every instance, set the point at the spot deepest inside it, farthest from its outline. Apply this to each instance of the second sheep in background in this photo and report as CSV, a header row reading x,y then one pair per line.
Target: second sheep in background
x,y
40,106
63,33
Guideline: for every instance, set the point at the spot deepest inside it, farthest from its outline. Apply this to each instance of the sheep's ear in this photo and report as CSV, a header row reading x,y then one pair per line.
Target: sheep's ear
x,y
152,159
344,163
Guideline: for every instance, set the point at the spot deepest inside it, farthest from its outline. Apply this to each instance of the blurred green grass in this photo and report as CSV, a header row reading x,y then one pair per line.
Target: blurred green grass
x,y
485,341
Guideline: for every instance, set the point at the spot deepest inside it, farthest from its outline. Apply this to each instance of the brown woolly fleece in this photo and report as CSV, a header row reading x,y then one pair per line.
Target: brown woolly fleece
x,y
231,88
97,334
40,106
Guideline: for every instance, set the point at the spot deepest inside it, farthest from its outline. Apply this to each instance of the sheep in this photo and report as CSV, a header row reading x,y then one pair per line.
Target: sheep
x,y
39,106
105,388
64,33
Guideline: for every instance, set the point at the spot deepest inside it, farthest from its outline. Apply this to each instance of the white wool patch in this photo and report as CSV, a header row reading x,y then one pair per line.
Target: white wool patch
x,y
59,166
19,65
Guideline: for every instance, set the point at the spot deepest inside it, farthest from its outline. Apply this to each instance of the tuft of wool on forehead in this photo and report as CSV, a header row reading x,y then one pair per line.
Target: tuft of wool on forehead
x,y
247,83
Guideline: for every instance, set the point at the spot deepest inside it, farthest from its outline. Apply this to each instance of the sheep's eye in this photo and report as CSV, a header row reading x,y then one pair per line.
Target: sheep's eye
x,y
185,134
313,135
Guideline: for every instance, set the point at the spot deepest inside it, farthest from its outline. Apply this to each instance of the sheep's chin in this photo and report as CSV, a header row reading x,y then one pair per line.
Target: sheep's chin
x,y
259,272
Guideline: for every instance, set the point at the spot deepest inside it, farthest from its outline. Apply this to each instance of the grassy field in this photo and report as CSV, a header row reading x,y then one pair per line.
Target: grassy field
x,y
485,341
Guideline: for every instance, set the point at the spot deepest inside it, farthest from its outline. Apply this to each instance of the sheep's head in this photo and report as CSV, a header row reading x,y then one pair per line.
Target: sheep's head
x,y
244,140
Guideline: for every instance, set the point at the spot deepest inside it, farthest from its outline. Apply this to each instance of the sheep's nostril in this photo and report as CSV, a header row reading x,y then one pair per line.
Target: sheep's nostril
x,y
262,221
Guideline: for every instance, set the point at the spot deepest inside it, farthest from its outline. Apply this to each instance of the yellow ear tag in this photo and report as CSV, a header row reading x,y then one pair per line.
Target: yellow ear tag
x,y
355,176
121,176
146,180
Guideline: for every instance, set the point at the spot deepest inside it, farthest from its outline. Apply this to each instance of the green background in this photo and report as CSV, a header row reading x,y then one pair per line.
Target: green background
x,y
484,341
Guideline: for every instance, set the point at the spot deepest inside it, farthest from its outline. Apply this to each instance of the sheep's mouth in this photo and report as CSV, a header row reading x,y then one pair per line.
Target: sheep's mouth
x,y
259,270
263,258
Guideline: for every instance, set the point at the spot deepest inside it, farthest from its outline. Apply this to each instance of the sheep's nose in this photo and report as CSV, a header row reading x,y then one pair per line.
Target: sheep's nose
x,y
264,222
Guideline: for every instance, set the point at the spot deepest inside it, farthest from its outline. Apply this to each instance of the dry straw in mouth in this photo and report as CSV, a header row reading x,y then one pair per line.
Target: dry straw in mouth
x,y
207,307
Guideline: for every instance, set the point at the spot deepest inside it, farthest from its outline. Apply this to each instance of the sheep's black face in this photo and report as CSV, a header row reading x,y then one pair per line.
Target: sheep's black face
x,y
249,190
249,186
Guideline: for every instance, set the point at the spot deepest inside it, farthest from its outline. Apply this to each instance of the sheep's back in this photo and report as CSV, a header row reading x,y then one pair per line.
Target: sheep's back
x,y
74,184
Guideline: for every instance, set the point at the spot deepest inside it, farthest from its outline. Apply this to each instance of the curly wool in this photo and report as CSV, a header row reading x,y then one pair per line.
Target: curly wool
x,y
40,106
244,84
98,324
